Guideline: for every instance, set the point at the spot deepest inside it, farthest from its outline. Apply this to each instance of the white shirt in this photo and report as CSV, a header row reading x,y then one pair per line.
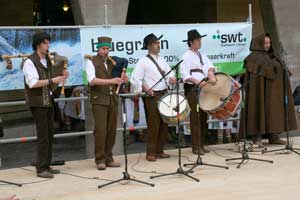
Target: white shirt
x,y
30,72
90,70
191,60
146,72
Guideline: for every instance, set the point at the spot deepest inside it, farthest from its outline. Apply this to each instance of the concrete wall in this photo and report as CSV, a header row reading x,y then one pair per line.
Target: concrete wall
x,y
91,12
237,11
281,20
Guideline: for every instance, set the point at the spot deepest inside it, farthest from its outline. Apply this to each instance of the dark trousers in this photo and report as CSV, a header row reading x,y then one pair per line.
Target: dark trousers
x,y
198,119
105,118
157,129
43,118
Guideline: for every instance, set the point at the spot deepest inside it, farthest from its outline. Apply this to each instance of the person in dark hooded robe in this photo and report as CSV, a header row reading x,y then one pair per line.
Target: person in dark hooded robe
x,y
264,94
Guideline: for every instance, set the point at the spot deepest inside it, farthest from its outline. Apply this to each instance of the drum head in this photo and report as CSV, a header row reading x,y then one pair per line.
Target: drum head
x,y
168,102
211,95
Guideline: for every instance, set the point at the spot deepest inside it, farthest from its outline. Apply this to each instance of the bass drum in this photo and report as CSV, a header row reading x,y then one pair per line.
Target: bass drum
x,y
222,99
167,108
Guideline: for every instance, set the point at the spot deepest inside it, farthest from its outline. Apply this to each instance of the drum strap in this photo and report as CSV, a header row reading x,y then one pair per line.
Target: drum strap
x,y
162,72
200,57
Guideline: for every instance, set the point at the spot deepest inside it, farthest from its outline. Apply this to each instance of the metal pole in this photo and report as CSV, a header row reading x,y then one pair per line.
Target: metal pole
x,y
106,25
74,134
62,135
250,12
18,103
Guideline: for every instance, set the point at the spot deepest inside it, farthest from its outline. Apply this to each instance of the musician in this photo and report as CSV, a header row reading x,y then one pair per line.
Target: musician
x,y
104,103
39,91
195,67
146,73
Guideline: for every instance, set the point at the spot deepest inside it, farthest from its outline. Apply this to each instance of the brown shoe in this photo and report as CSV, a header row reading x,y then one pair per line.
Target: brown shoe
x,y
200,151
163,155
45,174
101,166
275,139
113,164
151,158
53,171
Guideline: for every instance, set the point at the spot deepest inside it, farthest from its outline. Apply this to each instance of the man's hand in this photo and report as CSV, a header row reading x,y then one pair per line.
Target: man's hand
x,y
66,74
58,79
211,76
148,90
201,84
125,78
172,80
116,80
237,83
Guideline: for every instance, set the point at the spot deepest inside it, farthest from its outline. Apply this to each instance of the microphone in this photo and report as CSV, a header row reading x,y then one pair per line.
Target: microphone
x,y
176,108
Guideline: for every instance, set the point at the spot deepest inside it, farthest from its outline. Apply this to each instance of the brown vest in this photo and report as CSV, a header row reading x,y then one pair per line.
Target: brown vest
x,y
101,94
39,97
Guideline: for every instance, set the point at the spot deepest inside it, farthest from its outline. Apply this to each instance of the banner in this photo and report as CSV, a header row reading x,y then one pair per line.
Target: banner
x,y
226,44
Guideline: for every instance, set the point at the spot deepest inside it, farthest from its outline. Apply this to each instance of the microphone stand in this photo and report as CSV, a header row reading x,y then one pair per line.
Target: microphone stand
x,y
199,158
289,145
2,181
126,175
180,135
244,151
10,183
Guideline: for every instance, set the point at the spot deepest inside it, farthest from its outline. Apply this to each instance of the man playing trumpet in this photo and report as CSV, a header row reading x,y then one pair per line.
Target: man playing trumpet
x,y
104,102
39,91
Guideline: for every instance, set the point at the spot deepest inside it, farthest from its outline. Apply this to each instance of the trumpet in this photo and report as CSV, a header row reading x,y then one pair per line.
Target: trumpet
x,y
8,58
51,57
112,60
119,86
63,85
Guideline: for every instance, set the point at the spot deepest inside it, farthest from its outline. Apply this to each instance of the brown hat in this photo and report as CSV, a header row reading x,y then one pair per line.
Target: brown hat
x,y
104,41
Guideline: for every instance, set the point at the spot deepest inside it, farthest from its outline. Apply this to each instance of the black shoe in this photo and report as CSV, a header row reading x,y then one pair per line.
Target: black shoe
x,y
45,174
53,171
257,141
275,139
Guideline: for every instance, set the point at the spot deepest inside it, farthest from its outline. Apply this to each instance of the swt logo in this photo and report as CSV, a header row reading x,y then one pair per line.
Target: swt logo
x,y
230,38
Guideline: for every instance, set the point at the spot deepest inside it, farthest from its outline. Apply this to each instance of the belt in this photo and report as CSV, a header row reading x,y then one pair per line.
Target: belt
x,y
189,88
158,92
196,70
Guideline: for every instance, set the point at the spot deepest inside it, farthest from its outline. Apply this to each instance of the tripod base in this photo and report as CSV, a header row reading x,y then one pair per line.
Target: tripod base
x,y
245,157
179,171
200,162
126,177
11,183
287,147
